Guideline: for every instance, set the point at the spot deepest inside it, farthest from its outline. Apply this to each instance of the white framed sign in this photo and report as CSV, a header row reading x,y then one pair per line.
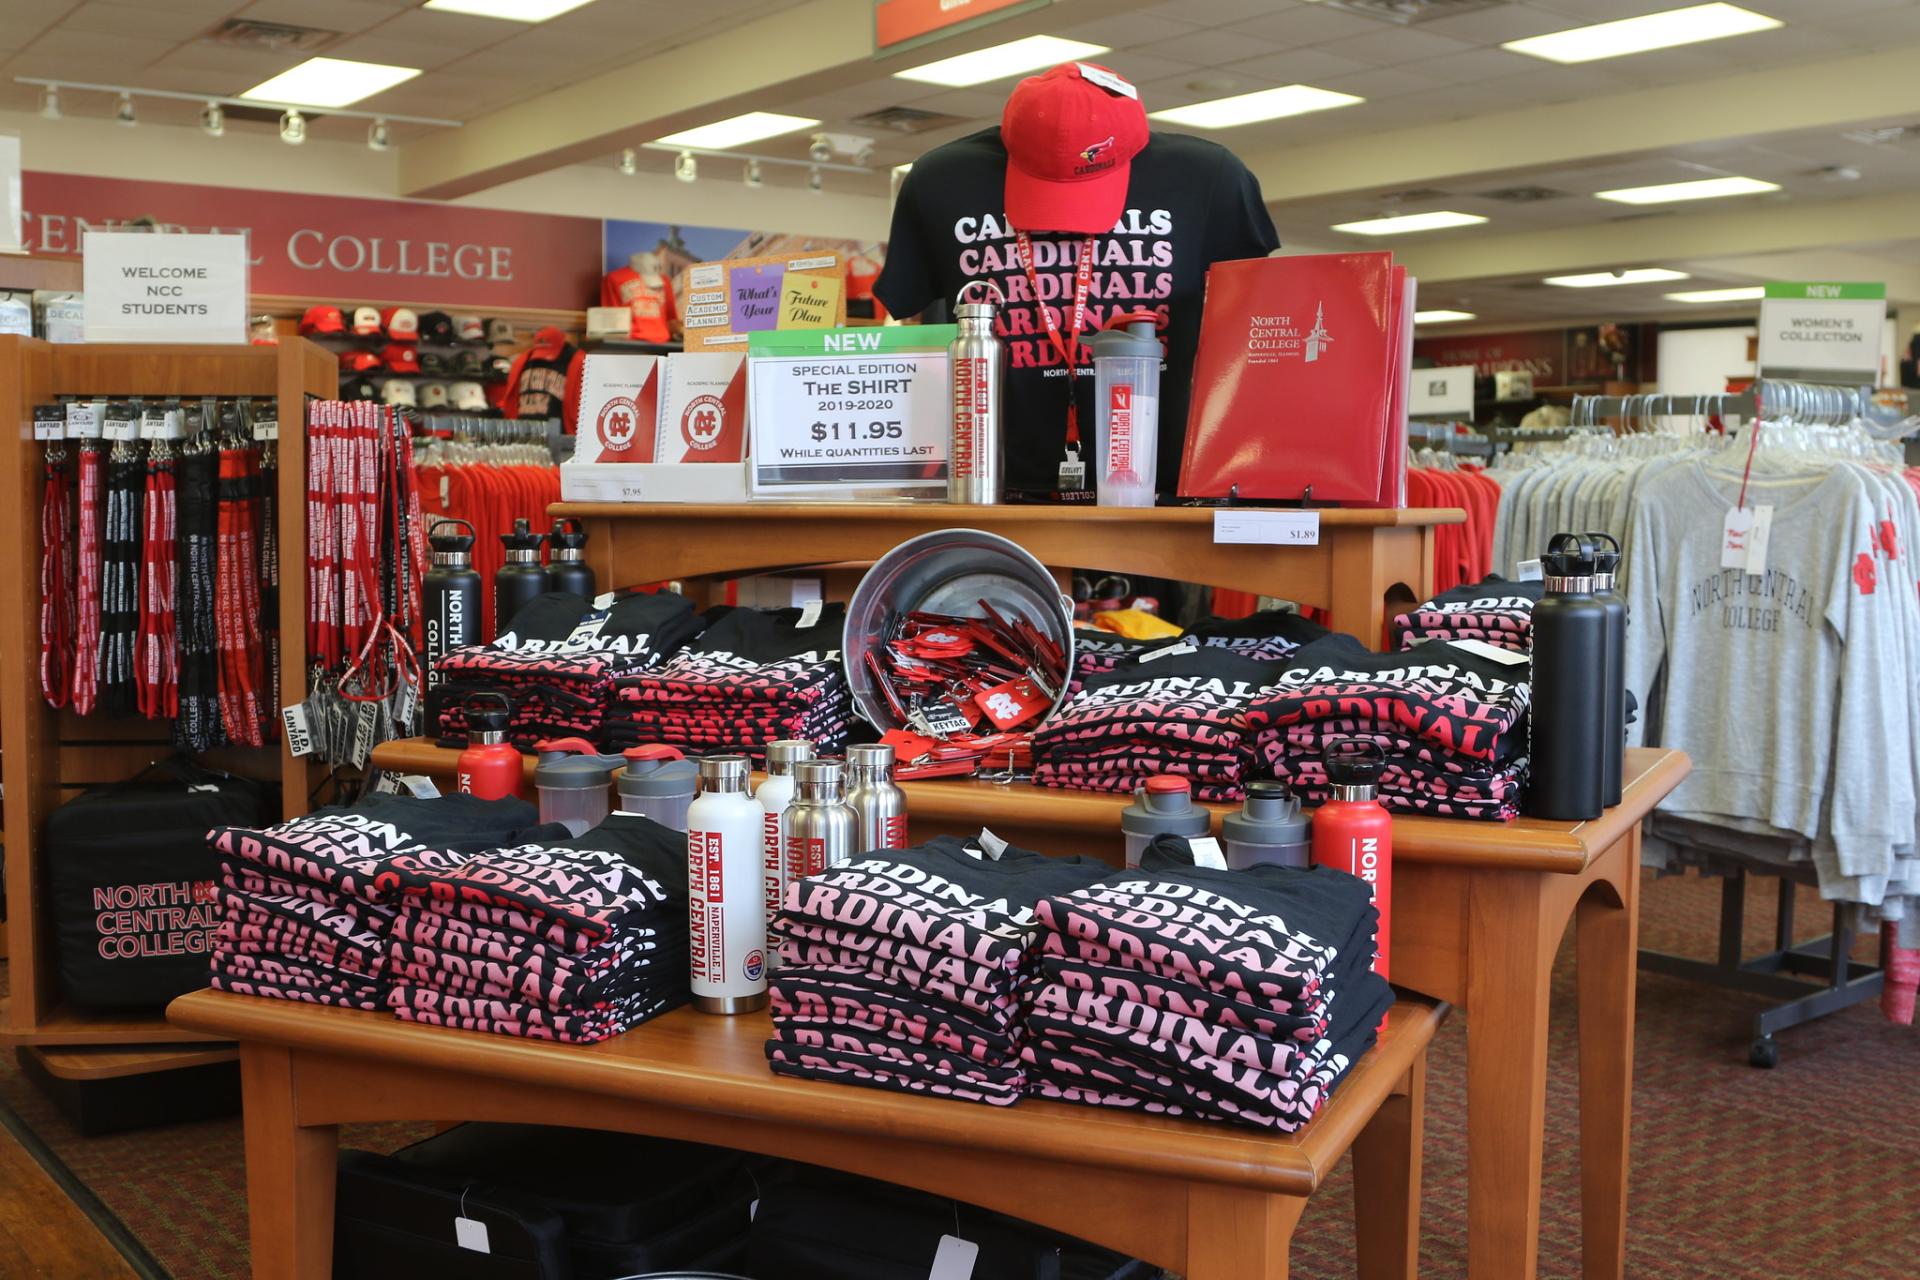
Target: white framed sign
x,y
165,287
840,413
1435,392
1822,332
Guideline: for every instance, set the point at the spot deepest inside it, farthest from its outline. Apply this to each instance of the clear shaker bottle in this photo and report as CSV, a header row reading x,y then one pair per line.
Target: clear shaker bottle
x,y
1126,409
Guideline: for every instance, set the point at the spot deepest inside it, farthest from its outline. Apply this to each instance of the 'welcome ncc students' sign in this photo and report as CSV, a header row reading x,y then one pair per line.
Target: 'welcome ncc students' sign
x,y
147,287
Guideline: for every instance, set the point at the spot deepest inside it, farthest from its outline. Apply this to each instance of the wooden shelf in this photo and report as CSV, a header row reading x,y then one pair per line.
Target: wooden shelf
x,y
108,1062
60,1025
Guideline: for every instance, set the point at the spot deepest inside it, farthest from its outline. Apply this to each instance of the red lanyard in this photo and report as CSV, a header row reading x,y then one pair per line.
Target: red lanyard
x,y
1068,345
156,668
86,638
56,584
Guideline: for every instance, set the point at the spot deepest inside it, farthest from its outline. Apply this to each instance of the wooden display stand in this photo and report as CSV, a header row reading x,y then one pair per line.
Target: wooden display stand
x,y
48,756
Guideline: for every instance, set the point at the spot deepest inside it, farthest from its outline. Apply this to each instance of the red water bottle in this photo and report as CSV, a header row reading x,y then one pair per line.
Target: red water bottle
x,y
1352,832
490,767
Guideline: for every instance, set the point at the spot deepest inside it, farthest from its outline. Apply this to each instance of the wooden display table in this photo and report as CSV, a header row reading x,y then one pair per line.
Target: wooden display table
x,y
1362,556
1214,1202
1479,909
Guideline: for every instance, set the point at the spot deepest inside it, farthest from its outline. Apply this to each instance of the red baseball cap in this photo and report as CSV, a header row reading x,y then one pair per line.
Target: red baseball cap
x,y
1071,135
323,319
401,357
359,361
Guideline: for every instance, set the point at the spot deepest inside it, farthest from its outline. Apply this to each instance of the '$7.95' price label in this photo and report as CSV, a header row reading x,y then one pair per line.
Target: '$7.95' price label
x,y
823,432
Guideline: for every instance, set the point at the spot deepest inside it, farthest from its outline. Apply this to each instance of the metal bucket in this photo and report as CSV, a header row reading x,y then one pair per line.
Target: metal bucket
x,y
950,572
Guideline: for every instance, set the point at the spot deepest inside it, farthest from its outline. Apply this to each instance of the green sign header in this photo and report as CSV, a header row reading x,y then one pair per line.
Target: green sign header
x,y
872,340
1826,292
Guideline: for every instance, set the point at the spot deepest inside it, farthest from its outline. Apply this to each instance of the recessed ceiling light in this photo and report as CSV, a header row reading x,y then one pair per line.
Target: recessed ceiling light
x,y
1002,60
1602,279
1746,293
1649,31
1250,108
737,131
1701,189
1441,316
1401,224
330,82
512,10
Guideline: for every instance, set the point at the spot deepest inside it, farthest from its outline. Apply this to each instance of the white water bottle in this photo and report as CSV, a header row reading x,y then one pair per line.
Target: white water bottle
x,y
774,795
727,916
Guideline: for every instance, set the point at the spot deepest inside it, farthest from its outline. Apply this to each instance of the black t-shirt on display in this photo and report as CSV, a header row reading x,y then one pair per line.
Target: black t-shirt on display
x,y
1190,203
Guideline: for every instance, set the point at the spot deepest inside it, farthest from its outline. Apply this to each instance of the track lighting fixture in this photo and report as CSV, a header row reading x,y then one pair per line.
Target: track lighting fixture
x,y
50,103
819,150
213,119
629,162
125,114
816,182
293,127
686,167
379,135
753,177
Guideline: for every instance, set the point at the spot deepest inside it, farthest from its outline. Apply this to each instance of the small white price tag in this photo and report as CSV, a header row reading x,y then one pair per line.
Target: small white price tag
x,y
604,600
1757,540
992,844
1736,536
954,1259
1184,646
1530,571
810,614
470,1233
1107,80
420,786
49,422
1206,853
1267,528
267,429
83,420
1491,652
120,423
409,699
299,737
1073,476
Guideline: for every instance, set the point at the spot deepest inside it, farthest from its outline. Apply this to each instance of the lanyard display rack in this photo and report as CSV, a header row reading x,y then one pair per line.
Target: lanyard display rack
x,y
48,756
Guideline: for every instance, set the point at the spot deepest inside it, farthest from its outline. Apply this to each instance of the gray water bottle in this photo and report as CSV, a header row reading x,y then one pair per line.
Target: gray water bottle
x,y
1268,831
659,784
1163,806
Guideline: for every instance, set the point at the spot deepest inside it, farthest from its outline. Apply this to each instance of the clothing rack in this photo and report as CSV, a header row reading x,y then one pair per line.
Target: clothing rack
x,y
1809,400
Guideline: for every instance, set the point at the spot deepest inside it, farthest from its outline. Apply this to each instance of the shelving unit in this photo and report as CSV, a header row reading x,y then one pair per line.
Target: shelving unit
x,y
48,756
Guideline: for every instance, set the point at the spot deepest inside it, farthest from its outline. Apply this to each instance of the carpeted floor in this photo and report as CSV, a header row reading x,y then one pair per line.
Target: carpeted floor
x,y
1805,1171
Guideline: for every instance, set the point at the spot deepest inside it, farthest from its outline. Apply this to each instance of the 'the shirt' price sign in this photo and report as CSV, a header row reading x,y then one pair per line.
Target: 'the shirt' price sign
x,y
1267,528
155,287
839,413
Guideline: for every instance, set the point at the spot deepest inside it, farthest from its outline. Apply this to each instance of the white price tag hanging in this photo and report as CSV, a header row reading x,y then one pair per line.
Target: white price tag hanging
x,y
299,737
1736,538
992,844
1206,853
954,1259
810,614
471,1233
1530,571
83,420
1757,540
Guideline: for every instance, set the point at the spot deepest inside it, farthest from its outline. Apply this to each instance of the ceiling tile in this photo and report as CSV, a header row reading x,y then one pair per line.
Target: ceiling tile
x,y
1380,82
1806,13
1500,23
968,104
220,8
328,15
1584,12
118,56
1216,13
462,31
1142,67
31,16
1880,28
1394,46
138,20
1477,65
1309,24
1129,30
1214,48
228,70
1296,66
394,53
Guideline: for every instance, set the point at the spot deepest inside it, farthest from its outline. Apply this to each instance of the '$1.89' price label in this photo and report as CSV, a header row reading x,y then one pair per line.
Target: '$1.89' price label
x,y
825,431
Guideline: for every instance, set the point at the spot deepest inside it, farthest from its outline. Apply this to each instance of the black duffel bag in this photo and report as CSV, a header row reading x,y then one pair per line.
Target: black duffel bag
x,y
131,882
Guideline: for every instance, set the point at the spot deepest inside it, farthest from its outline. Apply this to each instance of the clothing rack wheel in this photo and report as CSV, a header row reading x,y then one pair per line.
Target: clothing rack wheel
x,y
1840,982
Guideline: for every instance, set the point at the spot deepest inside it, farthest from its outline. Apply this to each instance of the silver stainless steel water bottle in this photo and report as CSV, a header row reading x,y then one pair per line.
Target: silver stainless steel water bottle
x,y
776,797
879,805
727,917
974,458
820,826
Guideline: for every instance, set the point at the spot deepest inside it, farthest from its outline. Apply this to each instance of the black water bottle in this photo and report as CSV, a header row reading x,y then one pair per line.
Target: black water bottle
x,y
451,593
567,569
521,578
1568,716
1606,569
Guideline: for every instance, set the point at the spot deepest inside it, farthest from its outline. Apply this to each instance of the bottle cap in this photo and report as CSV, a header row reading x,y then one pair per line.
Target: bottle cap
x,y
488,724
1354,766
522,544
451,540
874,759
567,537
784,754
963,309
822,771
1269,828
1129,335
1606,551
1164,806
572,763
724,773
656,772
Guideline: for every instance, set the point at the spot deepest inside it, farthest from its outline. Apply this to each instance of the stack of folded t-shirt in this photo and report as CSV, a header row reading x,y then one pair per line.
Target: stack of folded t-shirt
x,y
1449,716
899,970
556,662
753,677
1495,612
307,905
1181,710
1096,652
569,939
1268,636
1224,995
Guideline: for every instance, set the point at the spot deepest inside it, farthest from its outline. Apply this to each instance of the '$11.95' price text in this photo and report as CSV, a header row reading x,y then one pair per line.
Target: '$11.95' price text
x,y
850,431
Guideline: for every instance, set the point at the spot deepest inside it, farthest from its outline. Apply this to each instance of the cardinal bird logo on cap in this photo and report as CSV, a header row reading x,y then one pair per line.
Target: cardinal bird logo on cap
x,y
1093,153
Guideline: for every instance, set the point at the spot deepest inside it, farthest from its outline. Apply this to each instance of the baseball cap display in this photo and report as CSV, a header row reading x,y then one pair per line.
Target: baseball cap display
x,y
366,321
433,395
399,392
499,368
1071,135
359,361
468,395
261,331
402,325
470,363
435,362
401,357
359,389
499,330
469,328
436,326
322,319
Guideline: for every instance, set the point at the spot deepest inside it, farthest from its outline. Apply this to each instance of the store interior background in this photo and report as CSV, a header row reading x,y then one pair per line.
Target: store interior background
x,y
1827,107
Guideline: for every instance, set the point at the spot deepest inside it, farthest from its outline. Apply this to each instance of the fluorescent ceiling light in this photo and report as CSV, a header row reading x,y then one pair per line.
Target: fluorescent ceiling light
x,y
1702,189
1441,316
1638,35
512,10
1746,293
1250,108
1002,60
1402,224
1602,279
737,131
330,82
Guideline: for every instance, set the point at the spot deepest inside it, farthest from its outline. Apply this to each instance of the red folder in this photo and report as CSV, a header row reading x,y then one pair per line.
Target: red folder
x,y
1292,386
